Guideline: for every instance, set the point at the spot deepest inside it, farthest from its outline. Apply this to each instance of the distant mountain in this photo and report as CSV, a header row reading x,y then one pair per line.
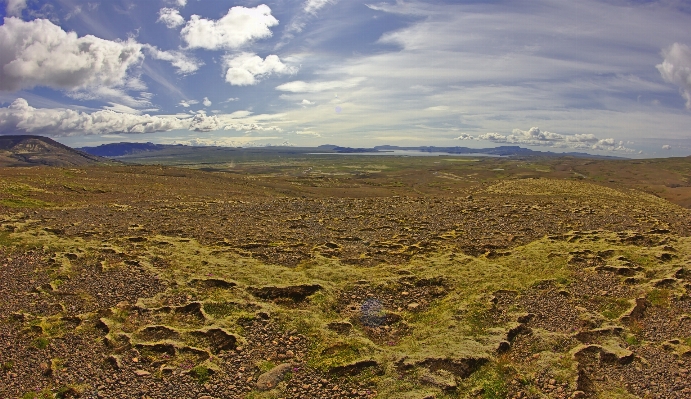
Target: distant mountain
x,y
27,150
122,149
151,151
506,151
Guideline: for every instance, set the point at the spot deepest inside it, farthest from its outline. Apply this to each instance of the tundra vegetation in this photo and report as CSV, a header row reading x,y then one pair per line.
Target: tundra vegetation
x,y
347,277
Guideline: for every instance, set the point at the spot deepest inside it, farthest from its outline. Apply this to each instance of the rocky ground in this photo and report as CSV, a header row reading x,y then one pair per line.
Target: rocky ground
x,y
529,288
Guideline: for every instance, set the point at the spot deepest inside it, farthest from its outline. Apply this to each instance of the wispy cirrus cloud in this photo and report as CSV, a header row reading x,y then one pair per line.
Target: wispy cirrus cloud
x,y
299,86
676,68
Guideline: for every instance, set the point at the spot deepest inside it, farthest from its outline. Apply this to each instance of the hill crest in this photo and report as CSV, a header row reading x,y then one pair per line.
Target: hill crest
x,y
27,150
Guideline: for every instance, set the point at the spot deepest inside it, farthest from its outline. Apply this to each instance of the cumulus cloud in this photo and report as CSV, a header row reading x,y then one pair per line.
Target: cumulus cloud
x,y
676,68
180,61
536,137
667,147
247,69
240,26
299,86
251,127
204,123
21,117
170,17
206,102
307,102
15,7
224,141
40,53
187,103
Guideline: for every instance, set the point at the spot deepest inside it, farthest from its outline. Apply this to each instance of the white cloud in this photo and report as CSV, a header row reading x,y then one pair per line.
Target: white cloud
x,y
204,123
183,63
206,102
306,102
676,68
536,137
124,109
437,108
239,114
180,3
308,132
298,23
666,147
249,127
21,117
231,99
247,69
39,53
187,103
170,17
312,6
76,11
237,28
299,86
115,94
224,141
15,7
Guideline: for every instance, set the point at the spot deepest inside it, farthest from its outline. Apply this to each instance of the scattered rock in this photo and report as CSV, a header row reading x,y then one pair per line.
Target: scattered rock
x,y
271,378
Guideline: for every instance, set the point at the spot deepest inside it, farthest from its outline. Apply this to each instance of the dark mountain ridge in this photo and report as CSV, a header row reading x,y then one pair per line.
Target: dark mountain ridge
x,y
126,149
25,150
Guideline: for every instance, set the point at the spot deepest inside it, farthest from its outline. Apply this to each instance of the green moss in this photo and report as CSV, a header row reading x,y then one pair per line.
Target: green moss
x,y
612,308
201,373
24,203
491,380
222,310
7,366
266,365
42,394
69,391
6,240
40,343
632,340
659,297
616,393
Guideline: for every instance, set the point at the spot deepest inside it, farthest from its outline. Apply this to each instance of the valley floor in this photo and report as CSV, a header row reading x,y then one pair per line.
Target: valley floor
x,y
158,282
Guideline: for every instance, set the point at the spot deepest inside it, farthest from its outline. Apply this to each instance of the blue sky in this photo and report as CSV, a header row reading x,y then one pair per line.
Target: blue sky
x,y
599,76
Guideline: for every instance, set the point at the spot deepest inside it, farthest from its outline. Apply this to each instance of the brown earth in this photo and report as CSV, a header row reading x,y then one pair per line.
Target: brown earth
x,y
99,303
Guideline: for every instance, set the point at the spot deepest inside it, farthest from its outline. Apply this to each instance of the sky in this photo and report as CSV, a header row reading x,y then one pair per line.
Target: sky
x,y
599,76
